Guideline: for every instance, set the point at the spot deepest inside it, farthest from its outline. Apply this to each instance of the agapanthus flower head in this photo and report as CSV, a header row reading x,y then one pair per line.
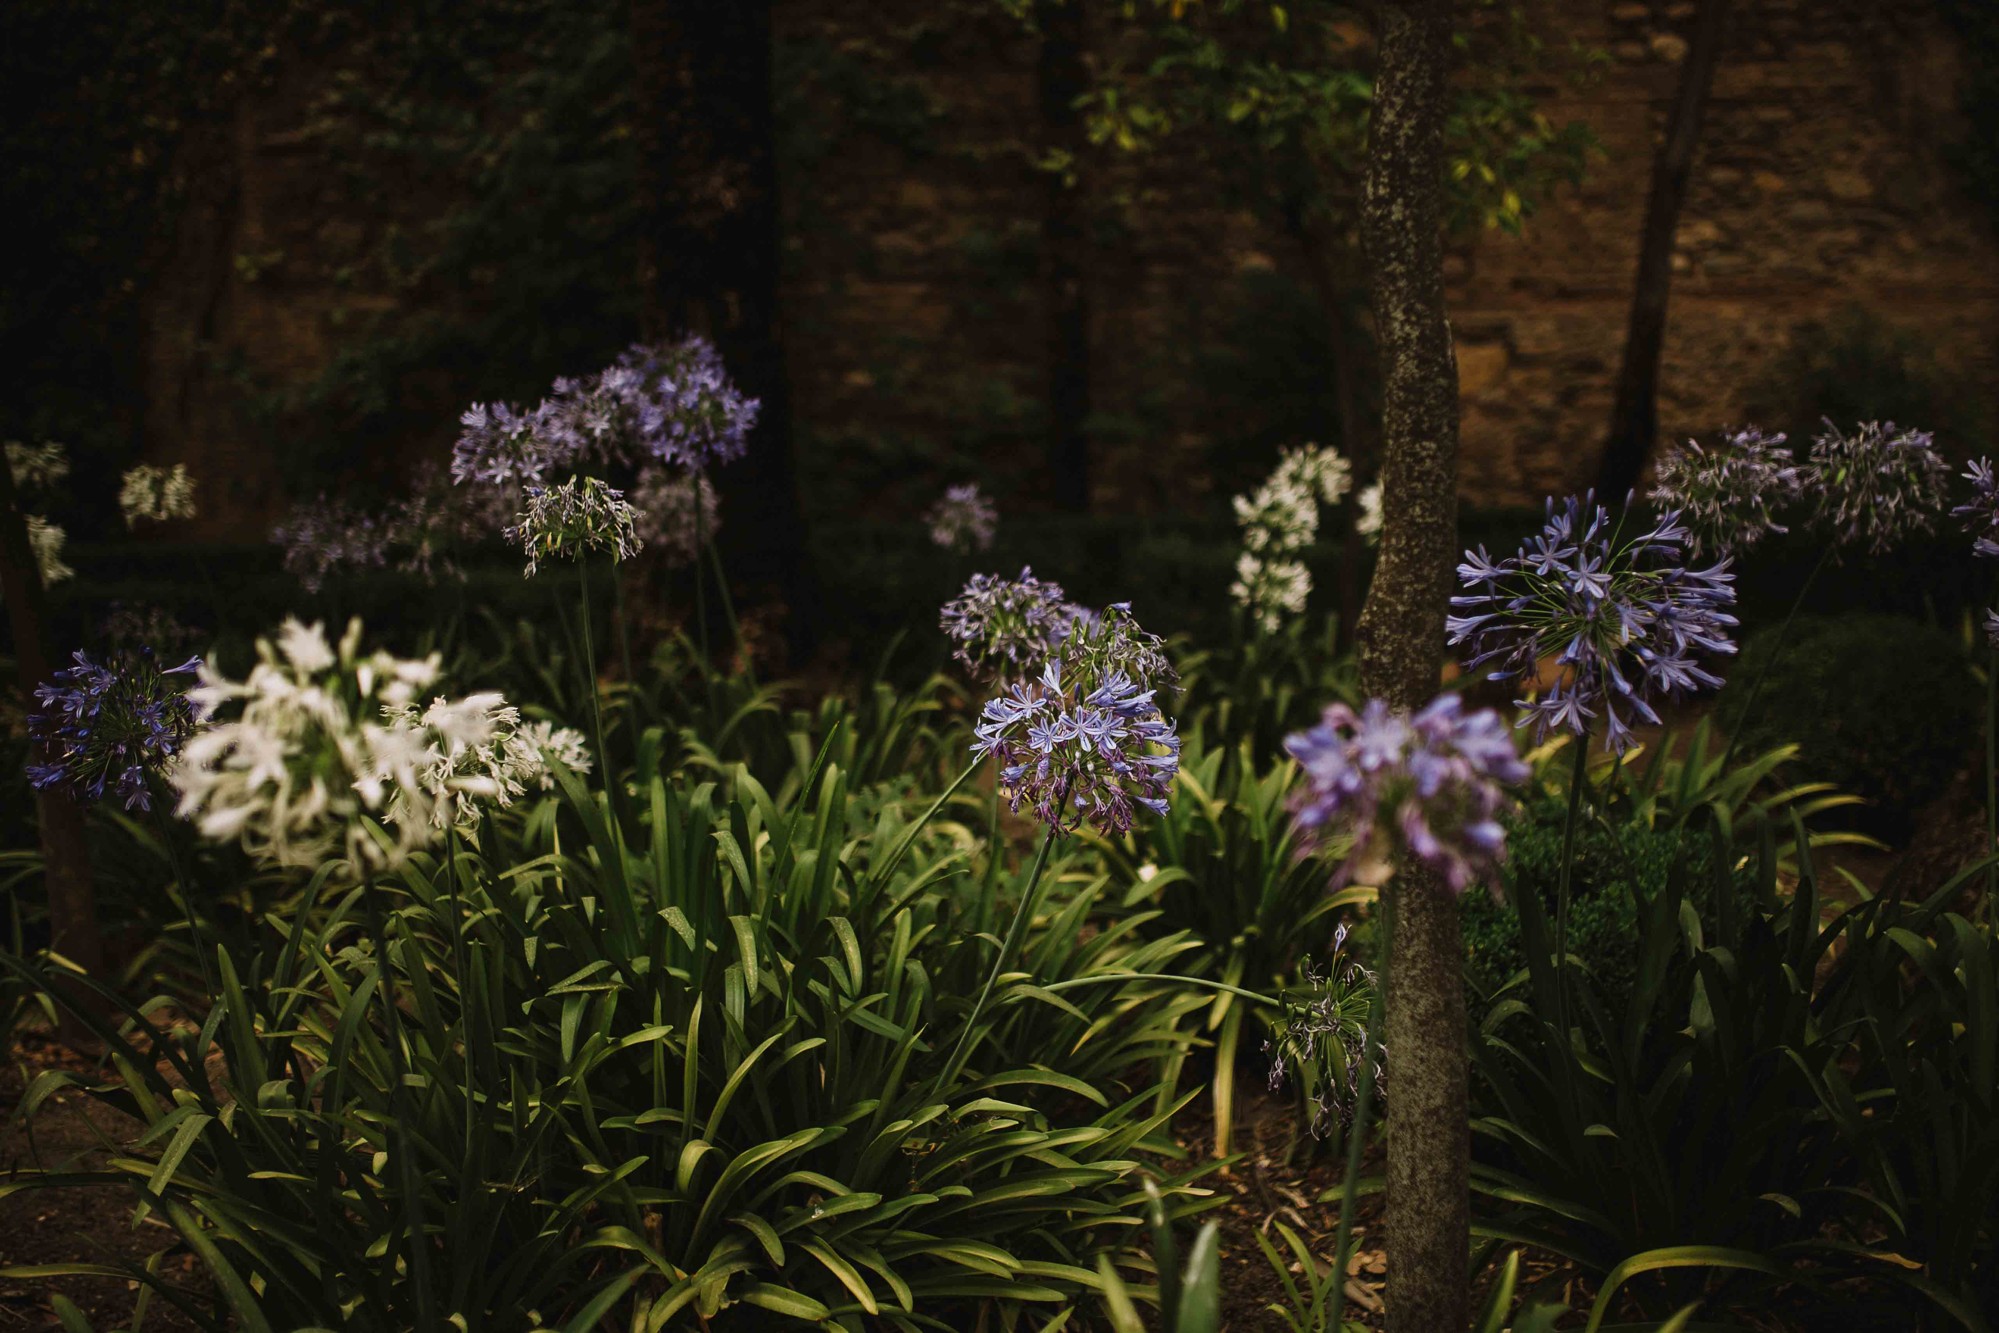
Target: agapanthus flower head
x,y
330,536
111,727
677,513
1875,487
1279,519
1726,494
1623,619
310,748
1084,741
501,445
1981,514
46,540
672,404
1429,787
962,519
128,626
1324,1030
1007,627
37,466
563,747
151,494
478,755
573,519
1368,522
422,534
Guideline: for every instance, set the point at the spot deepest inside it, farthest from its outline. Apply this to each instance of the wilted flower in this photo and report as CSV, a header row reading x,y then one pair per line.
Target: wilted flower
x,y
317,743
1084,742
1981,516
557,746
573,519
1324,1032
1368,522
1622,618
1877,486
46,540
114,725
1279,520
1725,494
478,754
37,466
1432,785
1007,627
667,518
150,494
962,519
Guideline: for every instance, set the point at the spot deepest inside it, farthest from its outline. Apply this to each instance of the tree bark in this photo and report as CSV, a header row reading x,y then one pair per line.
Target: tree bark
x,y
1634,417
710,253
73,931
1401,642
1061,79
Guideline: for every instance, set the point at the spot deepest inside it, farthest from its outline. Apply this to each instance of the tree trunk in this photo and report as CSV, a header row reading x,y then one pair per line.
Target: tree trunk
x,y
65,853
1634,418
1061,79
710,253
1401,643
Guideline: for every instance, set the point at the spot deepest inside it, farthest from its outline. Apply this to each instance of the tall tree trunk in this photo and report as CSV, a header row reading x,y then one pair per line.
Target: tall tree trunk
x,y
65,854
1401,643
1061,79
710,252
1634,417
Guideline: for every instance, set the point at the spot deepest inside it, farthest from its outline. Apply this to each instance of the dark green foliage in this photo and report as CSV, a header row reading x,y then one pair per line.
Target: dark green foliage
x,y
1880,706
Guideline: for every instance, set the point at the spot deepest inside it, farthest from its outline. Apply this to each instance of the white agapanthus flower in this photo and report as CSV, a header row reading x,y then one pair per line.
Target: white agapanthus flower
x,y
150,494
478,755
46,540
1368,522
564,746
311,747
37,466
1279,520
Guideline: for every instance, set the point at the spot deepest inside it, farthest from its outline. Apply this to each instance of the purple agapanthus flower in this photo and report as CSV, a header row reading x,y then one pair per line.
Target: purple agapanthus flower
x,y
1622,618
1084,740
422,534
110,727
1007,627
1725,495
1432,785
963,519
1981,515
1877,486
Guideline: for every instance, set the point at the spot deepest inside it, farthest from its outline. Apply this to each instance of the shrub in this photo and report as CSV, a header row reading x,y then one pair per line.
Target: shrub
x,y
1880,706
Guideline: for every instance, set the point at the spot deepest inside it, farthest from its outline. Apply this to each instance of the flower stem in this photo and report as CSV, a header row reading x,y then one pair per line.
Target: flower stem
x,y
590,674
1021,915
1363,1109
186,899
1578,780
399,1119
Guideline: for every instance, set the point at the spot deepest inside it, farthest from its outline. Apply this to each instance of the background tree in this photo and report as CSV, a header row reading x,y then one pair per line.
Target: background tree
x,y
1401,643
1634,416
1061,81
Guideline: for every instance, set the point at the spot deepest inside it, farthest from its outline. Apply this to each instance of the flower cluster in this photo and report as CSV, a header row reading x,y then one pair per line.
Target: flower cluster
x,y
149,494
573,519
1981,515
558,747
962,520
1279,520
1325,1033
1725,494
1368,522
317,742
1008,627
46,540
1876,486
1431,786
672,405
477,753
668,517
1080,749
110,726
128,626
37,466
1621,617
421,534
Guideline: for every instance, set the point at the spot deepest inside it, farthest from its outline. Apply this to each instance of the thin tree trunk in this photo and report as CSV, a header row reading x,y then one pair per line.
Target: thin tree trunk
x,y
1401,643
1634,417
65,853
710,252
1061,79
